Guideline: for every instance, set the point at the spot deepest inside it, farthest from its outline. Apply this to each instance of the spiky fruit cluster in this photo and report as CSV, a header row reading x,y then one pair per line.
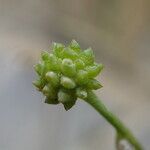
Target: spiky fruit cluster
x,y
67,74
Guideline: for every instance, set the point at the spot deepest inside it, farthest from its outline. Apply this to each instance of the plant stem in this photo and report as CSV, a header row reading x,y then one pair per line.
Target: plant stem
x,y
94,101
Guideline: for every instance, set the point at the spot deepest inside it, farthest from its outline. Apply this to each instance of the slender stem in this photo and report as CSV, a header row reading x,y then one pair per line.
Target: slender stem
x,y
94,101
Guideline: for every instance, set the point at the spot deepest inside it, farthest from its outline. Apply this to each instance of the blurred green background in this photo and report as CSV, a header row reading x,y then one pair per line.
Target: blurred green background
x,y
119,33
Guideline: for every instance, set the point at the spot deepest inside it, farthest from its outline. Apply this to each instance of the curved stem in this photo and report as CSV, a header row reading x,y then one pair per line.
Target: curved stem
x,y
94,101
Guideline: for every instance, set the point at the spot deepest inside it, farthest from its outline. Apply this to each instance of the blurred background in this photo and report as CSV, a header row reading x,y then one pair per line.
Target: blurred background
x,y
119,33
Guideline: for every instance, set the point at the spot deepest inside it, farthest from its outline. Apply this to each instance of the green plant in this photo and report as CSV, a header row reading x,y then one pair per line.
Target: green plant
x,y
69,73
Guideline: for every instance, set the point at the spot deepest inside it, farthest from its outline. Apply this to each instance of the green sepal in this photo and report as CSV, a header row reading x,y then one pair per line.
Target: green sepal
x,y
49,100
67,98
69,105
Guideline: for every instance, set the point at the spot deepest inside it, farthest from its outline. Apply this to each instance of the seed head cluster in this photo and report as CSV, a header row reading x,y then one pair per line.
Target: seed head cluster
x,y
67,73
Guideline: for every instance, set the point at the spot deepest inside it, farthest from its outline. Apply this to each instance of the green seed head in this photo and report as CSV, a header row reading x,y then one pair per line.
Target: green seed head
x,y
67,74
